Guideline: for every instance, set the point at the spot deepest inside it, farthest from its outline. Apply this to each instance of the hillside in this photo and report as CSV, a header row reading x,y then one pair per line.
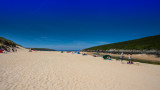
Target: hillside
x,y
42,49
7,43
4,43
146,43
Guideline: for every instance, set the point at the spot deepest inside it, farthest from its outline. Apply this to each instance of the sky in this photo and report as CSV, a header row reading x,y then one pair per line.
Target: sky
x,y
77,24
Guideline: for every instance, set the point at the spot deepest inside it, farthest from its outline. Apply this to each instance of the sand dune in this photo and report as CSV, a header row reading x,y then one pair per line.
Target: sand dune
x,y
65,71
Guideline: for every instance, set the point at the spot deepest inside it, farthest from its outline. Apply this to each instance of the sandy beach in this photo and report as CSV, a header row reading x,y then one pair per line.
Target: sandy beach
x,y
51,70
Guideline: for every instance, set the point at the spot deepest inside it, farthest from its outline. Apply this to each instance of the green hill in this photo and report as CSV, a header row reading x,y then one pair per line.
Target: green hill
x,y
146,43
42,49
4,43
7,43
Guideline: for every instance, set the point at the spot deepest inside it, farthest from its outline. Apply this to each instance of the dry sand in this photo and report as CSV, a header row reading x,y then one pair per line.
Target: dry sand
x,y
25,70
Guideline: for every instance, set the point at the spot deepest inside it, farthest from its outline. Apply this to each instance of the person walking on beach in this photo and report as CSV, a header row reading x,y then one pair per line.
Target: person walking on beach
x,y
8,49
12,49
121,56
130,58
15,49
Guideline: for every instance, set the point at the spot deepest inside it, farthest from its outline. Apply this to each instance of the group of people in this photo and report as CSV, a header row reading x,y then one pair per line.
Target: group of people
x,y
108,58
8,49
73,52
30,50
129,57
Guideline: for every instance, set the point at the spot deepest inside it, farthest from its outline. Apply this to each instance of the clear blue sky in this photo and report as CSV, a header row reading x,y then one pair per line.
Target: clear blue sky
x,y
77,24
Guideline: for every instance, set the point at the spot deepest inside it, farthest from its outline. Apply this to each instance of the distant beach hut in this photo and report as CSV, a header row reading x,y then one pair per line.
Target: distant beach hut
x,y
106,56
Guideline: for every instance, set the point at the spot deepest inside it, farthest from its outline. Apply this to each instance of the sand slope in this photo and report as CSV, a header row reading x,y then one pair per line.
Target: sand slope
x,y
62,71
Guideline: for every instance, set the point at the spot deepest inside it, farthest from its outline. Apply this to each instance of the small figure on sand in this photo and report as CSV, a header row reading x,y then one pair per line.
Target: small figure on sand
x,y
78,52
109,58
121,56
15,49
30,50
12,49
8,49
84,54
130,59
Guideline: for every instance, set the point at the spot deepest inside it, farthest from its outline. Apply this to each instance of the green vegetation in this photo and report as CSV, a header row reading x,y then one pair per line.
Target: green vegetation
x,y
5,42
146,43
139,60
8,43
42,49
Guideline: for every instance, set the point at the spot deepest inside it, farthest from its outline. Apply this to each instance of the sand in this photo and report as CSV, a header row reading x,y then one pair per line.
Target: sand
x,y
42,70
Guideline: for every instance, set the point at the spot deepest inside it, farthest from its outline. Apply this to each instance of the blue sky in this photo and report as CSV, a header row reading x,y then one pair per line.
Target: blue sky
x,y
77,24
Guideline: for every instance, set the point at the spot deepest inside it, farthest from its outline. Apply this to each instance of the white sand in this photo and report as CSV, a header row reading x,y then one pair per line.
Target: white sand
x,y
65,71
